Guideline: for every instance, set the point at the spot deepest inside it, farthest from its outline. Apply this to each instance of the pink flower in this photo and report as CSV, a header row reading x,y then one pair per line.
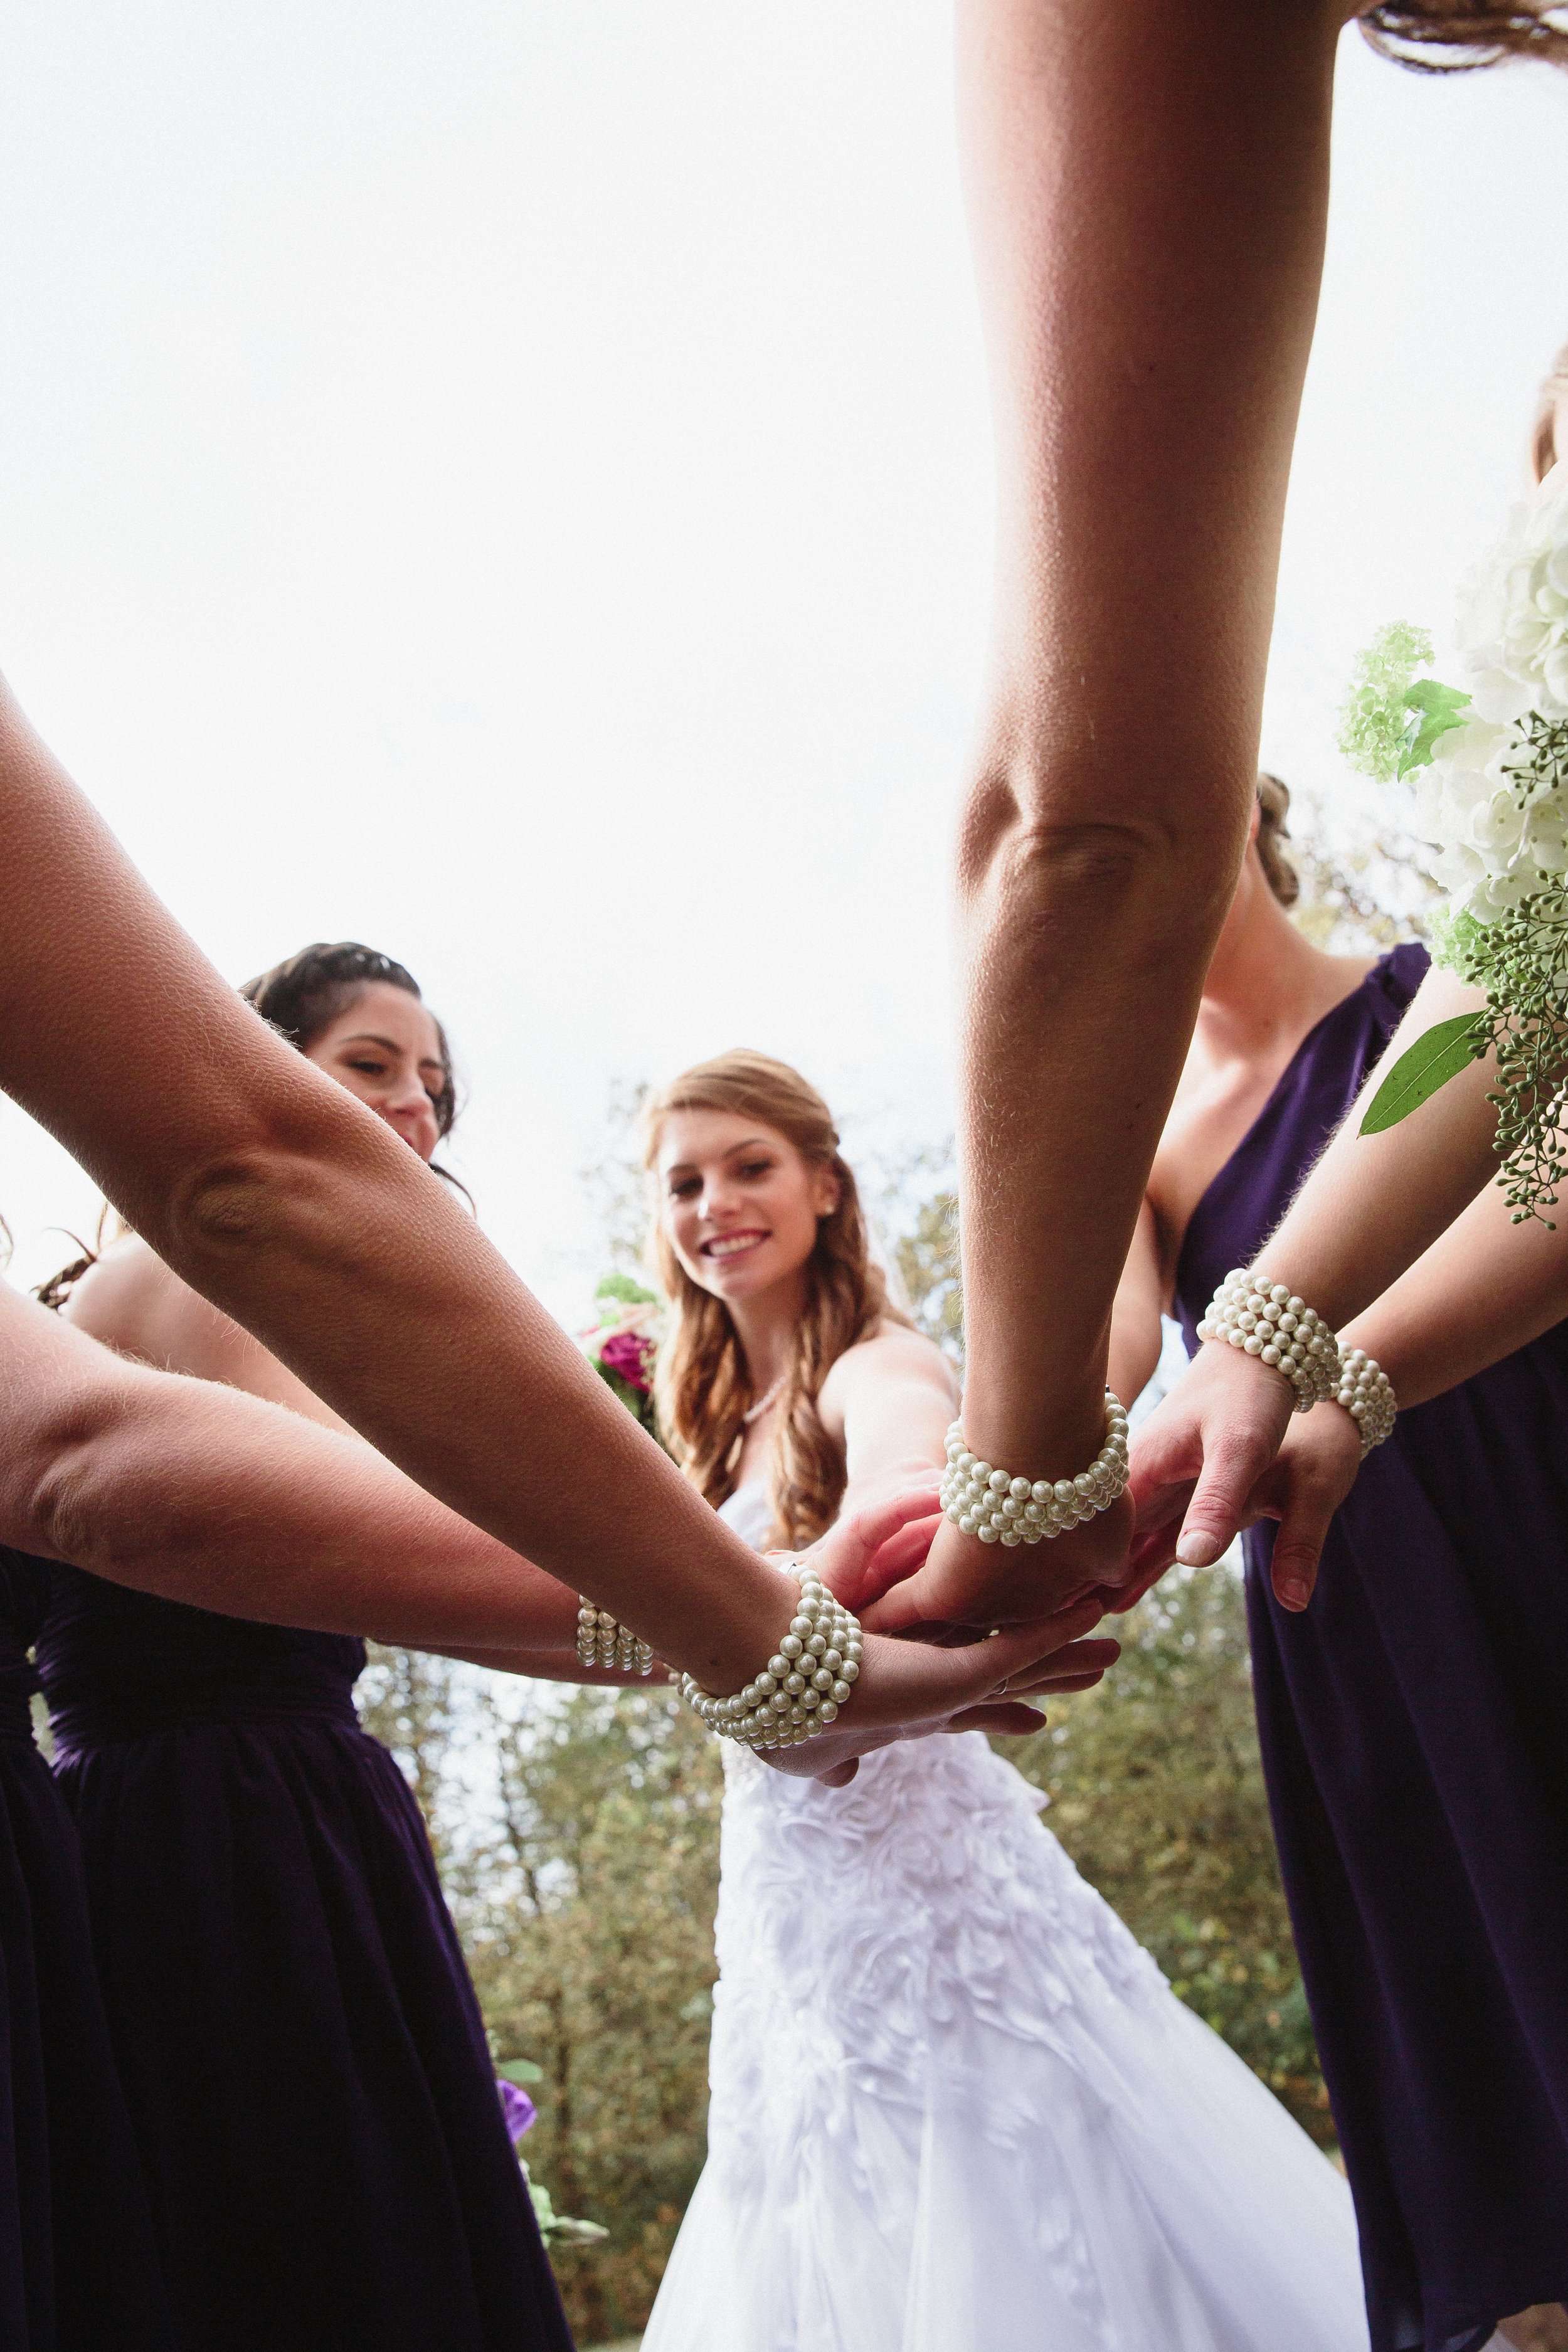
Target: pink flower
x,y
630,1354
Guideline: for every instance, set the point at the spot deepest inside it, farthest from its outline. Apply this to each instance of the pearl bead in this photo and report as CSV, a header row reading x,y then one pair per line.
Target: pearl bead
x,y
791,1645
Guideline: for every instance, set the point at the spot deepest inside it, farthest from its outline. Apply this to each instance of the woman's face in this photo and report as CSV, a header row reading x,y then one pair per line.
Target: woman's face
x,y
739,1204
386,1049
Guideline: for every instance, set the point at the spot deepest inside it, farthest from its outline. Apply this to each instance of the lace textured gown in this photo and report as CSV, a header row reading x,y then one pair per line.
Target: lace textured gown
x,y
955,2106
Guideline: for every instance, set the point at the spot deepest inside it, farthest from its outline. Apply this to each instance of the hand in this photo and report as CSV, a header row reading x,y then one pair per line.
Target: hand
x,y
1197,1458
1302,1488
878,1543
967,1587
909,1689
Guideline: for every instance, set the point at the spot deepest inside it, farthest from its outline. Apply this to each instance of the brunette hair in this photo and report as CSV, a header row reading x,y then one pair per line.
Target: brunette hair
x,y
1544,450
1450,35
703,1386
1274,804
302,997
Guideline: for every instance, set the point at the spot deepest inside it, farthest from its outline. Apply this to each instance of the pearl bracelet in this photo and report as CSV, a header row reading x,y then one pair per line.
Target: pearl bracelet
x,y
1367,1394
999,1508
602,1641
1281,1331
806,1682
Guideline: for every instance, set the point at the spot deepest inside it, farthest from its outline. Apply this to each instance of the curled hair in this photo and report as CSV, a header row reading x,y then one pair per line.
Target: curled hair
x,y
1452,35
1544,450
703,1385
1274,805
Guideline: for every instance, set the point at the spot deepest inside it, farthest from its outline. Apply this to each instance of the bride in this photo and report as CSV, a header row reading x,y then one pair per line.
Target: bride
x,y
954,2105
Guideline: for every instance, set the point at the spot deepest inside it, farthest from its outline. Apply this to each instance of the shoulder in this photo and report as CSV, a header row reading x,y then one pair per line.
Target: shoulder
x,y
135,1304
891,1353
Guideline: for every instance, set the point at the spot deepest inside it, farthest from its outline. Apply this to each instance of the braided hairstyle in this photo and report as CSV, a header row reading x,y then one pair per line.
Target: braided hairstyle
x,y
1273,806
702,1387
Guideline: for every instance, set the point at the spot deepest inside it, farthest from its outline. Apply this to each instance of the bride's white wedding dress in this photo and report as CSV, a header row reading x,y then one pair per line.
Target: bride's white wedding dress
x,y
955,2106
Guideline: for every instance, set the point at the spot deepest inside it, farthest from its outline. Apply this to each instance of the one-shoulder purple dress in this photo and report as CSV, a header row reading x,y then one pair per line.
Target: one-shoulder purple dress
x,y
301,2047
78,2260
1414,1731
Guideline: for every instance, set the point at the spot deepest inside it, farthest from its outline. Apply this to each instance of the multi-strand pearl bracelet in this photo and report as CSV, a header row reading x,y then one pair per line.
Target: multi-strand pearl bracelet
x,y
1367,1394
806,1682
999,1508
602,1641
1265,1320
1280,1330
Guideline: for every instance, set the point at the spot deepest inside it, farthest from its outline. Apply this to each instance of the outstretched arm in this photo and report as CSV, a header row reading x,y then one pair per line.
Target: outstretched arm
x,y
293,1208
1372,1206
1148,189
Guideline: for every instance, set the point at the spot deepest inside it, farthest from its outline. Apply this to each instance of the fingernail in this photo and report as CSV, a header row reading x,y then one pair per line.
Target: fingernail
x,y
1199,1550
1294,1594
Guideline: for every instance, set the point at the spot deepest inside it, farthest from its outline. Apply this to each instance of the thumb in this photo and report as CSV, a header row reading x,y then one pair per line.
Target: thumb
x,y
1233,1464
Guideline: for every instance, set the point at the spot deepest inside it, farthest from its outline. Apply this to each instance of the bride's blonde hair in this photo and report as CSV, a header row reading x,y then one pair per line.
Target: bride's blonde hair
x,y
702,1387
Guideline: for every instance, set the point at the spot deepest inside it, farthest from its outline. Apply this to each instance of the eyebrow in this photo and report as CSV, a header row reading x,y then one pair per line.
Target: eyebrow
x,y
369,1037
689,1167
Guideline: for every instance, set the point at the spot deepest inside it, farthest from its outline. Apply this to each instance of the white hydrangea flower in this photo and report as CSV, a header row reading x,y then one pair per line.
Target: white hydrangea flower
x,y
1513,612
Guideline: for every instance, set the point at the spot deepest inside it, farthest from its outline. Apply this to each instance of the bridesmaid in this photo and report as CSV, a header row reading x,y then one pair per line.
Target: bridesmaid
x,y
78,2260
301,2049
1148,188
1410,1739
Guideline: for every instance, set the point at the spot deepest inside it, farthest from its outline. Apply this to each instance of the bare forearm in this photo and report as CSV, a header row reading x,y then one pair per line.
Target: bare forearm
x,y
1148,190
291,1207
1485,1288
1374,1203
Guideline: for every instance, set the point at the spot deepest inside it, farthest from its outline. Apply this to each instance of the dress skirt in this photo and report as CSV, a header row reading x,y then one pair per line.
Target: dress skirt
x,y
301,2049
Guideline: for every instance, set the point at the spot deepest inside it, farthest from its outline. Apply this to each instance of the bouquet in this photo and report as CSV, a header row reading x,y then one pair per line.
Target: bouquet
x,y
1489,766
622,1345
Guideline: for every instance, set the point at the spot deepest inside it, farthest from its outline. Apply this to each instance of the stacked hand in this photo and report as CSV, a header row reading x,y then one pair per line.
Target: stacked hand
x,y
1224,1450
910,1688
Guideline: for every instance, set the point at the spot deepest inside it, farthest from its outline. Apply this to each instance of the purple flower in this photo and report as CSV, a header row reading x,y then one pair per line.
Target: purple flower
x,y
631,1354
517,2107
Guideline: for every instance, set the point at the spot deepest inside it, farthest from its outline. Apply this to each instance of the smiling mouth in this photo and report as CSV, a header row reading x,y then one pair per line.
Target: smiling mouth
x,y
731,1245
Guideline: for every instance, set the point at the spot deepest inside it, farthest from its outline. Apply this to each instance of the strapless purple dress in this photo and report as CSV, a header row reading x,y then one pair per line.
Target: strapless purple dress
x,y
301,2047
1414,1731
78,2261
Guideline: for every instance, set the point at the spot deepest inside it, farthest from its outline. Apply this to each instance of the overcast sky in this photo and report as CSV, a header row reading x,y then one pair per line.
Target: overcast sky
x,y
510,483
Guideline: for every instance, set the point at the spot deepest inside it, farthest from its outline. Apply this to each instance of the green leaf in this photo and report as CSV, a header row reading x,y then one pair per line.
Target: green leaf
x,y
1434,709
522,2069
1438,1055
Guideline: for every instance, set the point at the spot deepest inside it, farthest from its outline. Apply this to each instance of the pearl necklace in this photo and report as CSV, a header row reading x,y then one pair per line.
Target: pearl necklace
x,y
763,1402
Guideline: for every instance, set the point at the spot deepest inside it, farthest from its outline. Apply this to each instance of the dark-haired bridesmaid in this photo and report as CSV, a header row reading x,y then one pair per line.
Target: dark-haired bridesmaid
x,y
301,2049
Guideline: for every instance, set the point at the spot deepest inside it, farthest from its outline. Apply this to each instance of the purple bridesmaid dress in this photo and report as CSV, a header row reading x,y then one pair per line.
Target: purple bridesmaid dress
x,y
1414,1737
78,2261
301,2050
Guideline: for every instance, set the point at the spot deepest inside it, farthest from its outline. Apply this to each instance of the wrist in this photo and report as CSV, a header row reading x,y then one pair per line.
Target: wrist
x,y
1049,1438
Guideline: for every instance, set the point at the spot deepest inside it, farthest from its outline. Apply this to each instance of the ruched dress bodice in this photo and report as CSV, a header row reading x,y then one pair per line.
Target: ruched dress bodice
x,y
301,2050
116,1665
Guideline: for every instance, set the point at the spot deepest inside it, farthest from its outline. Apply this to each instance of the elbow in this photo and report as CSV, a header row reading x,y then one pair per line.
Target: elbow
x,y
1034,848
266,1202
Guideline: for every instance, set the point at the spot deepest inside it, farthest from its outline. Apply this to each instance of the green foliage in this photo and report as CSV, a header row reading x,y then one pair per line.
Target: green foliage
x,y
1157,1793
624,1291
1375,735
1438,1054
588,1922
1432,711
1521,959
